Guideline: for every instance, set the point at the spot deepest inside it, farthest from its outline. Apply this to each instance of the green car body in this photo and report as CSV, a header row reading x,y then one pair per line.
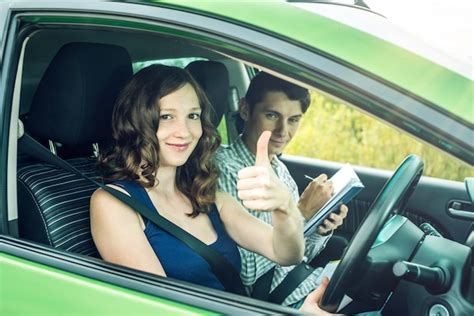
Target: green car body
x,y
71,294
374,74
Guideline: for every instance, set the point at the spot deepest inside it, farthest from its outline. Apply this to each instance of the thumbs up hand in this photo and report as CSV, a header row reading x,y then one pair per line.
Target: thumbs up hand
x,y
261,156
258,186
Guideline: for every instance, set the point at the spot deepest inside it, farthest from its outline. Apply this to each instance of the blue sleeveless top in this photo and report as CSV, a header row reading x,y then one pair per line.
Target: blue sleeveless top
x,y
178,260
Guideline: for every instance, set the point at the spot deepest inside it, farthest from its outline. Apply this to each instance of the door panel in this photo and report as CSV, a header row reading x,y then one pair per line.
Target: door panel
x,y
58,282
78,295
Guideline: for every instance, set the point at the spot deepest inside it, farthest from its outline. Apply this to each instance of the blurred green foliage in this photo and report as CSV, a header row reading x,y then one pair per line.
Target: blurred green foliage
x,y
334,131
222,130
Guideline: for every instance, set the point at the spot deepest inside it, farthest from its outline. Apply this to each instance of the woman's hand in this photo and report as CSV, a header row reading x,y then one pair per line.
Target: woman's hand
x,y
260,189
258,186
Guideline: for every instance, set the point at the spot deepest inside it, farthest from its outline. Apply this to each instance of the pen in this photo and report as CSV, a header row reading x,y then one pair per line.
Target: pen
x,y
308,177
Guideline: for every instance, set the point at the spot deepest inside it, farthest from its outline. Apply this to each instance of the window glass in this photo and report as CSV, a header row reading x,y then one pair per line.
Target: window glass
x,y
222,130
177,62
341,133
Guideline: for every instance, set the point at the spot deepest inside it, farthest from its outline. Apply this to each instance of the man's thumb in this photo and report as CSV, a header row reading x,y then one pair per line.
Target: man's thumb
x,y
261,156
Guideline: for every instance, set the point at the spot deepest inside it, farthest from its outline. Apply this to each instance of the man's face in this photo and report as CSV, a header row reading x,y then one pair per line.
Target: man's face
x,y
275,113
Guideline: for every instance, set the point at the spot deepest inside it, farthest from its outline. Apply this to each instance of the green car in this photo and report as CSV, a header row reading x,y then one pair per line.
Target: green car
x,y
63,63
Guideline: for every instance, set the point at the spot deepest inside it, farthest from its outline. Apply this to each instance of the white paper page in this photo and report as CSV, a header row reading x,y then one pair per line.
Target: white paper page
x,y
342,178
328,270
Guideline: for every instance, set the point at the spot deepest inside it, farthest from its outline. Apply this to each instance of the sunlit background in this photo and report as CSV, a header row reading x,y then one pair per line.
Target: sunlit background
x,y
445,24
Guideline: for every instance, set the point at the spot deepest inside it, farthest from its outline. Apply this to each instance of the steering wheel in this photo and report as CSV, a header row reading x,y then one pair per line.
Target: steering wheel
x,y
391,199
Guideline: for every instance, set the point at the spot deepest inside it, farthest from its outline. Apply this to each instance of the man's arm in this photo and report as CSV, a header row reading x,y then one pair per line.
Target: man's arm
x,y
314,197
315,243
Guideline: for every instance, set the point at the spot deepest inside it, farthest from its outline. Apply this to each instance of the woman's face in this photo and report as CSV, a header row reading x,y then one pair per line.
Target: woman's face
x,y
180,126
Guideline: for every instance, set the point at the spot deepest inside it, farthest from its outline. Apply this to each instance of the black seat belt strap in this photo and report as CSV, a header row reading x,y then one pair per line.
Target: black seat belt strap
x,y
221,267
290,283
261,288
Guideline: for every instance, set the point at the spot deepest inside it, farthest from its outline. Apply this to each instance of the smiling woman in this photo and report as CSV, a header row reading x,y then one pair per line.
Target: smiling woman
x,y
161,155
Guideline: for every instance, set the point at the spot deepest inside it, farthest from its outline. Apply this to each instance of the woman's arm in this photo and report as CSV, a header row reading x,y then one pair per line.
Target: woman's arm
x,y
282,243
260,189
119,236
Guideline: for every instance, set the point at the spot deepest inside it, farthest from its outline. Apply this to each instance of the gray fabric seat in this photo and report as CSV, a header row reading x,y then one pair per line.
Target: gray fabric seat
x,y
53,205
72,108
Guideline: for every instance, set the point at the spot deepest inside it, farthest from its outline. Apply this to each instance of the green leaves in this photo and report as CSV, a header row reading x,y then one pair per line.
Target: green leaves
x,y
334,131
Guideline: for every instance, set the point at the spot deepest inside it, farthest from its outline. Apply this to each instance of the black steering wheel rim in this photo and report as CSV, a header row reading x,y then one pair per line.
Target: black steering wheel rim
x,y
391,199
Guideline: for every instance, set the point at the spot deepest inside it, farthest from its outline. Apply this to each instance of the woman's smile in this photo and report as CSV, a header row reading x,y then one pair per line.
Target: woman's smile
x,y
178,147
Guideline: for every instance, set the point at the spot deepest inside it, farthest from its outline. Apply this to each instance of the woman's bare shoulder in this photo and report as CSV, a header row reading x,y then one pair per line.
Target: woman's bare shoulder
x,y
102,195
102,202
223,198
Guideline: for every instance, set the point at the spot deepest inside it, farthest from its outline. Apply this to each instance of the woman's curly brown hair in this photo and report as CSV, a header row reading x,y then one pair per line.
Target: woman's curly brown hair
x,y
135,120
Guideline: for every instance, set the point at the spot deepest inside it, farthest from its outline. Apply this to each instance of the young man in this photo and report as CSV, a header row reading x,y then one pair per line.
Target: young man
x,y
276,105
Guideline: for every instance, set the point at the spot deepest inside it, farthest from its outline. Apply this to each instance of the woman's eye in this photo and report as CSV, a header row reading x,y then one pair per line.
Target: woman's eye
x,y
165,117
195,116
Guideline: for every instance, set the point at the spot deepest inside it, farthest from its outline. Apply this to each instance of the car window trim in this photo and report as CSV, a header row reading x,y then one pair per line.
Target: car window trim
x,y
9,66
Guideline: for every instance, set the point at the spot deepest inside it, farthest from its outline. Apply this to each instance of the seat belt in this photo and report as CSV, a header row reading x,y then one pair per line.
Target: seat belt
x,y
294,278
261,288
221,267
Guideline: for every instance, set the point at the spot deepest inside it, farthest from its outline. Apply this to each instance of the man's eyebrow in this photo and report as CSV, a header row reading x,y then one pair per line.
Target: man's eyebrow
x,y
269,109
274,111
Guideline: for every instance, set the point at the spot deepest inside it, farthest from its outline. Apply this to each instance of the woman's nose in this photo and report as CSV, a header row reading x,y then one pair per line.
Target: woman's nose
x,y
182,129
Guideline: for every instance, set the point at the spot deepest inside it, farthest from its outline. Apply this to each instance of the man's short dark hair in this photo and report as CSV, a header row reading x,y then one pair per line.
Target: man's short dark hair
x,y
263,83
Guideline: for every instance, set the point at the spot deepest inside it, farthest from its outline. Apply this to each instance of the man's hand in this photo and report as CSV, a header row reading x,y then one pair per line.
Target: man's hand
x,y
316,194
311,303
333,221
258,186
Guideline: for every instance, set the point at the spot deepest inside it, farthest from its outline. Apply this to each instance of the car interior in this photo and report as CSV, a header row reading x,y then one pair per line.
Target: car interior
x,y
69,80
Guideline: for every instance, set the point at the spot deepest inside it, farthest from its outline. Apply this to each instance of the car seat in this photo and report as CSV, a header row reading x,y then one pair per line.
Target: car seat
x,y
72,108
213,77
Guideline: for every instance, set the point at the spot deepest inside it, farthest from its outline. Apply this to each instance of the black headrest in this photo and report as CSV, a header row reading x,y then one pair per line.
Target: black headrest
x,y
213,77
74,100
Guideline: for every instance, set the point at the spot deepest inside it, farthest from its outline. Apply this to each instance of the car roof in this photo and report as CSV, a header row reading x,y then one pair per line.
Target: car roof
x,y
356,37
